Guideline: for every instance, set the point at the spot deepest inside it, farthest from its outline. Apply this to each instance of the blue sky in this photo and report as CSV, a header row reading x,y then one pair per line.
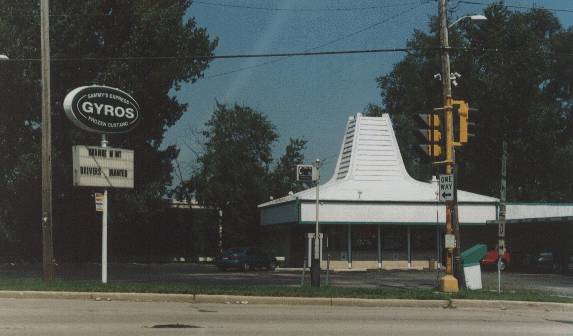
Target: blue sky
x,y
308,97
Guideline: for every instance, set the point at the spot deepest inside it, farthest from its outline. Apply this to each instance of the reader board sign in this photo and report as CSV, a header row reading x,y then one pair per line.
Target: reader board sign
x,y
105,167
306,173
446,187
101,109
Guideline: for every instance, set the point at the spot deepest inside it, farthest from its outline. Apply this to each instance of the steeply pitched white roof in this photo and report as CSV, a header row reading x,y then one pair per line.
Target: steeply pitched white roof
x,y
370,168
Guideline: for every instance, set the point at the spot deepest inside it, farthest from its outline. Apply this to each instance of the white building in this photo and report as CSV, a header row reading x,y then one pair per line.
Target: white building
x,y
374,214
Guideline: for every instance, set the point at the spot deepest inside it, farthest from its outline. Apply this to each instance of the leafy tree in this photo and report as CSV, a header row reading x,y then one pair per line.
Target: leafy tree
x,y
107,42
284,175
514,70
234,168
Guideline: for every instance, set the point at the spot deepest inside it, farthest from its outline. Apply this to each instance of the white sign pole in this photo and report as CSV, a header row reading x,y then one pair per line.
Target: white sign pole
x,y
104,240
104,227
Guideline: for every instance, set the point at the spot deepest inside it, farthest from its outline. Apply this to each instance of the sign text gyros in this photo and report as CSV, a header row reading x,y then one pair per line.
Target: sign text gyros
x,y
101,109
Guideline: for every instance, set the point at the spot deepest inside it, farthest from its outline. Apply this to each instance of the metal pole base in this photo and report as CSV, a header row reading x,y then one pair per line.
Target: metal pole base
x,y
315,273
449,284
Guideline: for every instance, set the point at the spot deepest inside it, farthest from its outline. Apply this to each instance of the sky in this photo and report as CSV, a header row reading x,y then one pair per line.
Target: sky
x,y
307,97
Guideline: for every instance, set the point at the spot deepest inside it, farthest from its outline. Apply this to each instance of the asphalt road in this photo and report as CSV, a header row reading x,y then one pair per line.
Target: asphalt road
x,y
208,274
79,317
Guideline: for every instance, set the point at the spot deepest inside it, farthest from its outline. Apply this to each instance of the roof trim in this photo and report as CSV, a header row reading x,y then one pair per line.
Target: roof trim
x,y
533,220
390,223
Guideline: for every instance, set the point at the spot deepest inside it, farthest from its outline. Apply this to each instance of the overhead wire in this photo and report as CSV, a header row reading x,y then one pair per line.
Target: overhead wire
x,y
272,55
281,9
515,6
321,45
214,57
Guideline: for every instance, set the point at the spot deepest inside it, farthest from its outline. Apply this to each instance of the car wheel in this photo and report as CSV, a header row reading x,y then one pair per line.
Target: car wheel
x,y
272,266
245,267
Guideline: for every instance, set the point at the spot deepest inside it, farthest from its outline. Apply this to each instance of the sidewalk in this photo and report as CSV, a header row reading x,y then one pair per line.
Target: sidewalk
x,y
237,299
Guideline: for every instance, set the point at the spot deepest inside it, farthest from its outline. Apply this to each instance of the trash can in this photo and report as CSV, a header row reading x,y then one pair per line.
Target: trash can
x,y
471,261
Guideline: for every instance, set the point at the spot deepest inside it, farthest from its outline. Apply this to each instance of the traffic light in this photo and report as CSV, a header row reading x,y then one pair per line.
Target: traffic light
x,y
430,135
463,110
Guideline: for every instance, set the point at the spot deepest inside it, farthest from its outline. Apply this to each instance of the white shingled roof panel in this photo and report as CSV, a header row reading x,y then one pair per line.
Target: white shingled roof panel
x,y
370,168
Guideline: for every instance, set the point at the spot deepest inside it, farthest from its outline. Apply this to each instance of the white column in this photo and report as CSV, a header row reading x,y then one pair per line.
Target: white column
x,y
349,246
309,237
379,248
409,247
438,248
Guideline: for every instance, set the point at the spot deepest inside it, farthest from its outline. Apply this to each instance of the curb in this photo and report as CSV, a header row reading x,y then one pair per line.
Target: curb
x,y
341,302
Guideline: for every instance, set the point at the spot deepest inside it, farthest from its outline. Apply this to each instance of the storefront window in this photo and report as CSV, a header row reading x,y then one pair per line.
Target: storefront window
x,y
394,238
365,238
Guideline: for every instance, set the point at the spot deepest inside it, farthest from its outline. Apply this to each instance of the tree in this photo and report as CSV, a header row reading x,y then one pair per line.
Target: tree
x,y
283,177
514,71
108,42
234,168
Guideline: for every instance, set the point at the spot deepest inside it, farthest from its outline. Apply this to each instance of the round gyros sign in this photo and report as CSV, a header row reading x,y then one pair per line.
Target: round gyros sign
x,y
101,109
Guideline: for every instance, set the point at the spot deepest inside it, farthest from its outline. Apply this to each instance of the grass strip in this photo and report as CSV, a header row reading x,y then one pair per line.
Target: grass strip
x,y
32,284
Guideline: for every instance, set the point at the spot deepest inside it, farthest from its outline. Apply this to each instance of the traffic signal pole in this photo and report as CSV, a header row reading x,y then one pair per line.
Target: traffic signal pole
x,y
448,283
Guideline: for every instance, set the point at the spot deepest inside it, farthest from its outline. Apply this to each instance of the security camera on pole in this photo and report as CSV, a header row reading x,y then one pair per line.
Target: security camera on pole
x,y
310,173
103,110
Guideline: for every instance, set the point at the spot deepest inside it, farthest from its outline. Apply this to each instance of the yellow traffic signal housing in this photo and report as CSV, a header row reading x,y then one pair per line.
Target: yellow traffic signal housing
x,y
430,120
431,150
463,110
430,135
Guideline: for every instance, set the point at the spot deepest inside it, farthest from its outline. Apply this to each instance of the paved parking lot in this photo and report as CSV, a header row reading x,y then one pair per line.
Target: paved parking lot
x,y
208,274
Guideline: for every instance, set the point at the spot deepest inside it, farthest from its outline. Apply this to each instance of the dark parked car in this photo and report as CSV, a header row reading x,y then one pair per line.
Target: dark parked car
x,y
245,259
543,262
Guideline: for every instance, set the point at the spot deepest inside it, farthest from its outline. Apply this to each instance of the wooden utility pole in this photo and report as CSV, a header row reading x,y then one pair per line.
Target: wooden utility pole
x,y
448,283
502,212
47,242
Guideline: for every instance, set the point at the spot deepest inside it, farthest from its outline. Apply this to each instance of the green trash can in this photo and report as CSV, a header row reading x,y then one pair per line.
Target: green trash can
x,y
471,261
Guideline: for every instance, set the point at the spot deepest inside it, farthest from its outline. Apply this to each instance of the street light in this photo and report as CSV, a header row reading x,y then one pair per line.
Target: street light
x,y
477,17
449,283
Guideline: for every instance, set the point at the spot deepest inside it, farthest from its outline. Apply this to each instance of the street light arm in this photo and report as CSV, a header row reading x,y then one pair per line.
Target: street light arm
x,y
477,17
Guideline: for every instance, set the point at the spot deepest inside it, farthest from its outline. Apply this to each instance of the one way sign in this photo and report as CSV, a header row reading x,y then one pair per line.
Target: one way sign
x,y
446,188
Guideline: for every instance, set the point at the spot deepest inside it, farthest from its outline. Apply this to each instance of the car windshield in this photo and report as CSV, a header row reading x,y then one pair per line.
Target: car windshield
x,y
233,251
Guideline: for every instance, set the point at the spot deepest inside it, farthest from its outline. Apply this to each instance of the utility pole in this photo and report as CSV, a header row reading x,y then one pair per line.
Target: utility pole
x,y
502,210
315,266
47,242
448,283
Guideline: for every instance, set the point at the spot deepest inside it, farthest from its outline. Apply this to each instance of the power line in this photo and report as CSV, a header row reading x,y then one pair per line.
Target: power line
x,y
321,45
517,7
273,55
214,57
279,9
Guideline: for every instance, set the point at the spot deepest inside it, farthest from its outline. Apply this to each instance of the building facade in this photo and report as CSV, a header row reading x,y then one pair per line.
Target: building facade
x,y
373,214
